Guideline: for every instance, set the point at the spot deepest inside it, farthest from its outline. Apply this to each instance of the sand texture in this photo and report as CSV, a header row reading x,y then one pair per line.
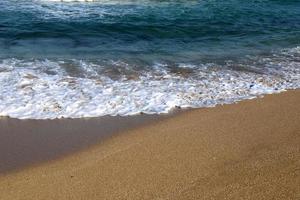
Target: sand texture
x,y
249,150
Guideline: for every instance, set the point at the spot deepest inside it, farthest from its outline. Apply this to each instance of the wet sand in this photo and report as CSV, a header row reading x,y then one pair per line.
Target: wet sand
x,y
24,143
248,150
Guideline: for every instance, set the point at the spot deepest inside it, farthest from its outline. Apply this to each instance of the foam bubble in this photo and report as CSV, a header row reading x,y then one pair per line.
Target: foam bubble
x,y
48,89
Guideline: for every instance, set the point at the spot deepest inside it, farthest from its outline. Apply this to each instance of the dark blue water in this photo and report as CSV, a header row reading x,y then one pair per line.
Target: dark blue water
x,y
125,57
177,31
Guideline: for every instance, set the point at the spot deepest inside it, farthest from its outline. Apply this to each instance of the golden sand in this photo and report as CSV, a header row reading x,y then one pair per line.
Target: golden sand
x,y
249,150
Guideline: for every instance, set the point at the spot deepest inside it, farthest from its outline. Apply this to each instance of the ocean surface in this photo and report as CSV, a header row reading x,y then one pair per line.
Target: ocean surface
x,y
88,59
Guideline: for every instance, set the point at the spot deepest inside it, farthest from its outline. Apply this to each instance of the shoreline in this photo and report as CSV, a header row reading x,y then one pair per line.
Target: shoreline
x,y
36,141
26,143
247,150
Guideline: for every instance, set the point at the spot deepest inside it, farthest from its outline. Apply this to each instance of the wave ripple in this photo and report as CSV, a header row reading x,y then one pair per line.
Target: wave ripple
x,y
48,89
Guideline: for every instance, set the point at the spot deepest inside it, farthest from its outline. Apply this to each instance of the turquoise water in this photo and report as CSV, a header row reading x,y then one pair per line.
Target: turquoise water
x,y
148,30
143,47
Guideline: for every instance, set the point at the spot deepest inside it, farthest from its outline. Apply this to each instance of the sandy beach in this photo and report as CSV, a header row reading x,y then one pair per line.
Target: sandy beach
x,y
24,143
248,150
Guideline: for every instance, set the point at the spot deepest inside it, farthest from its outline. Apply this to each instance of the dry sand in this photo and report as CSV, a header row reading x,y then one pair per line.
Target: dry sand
x,y
249,150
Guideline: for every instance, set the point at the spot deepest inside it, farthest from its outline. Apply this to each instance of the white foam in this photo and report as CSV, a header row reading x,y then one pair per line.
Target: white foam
x,y
43,89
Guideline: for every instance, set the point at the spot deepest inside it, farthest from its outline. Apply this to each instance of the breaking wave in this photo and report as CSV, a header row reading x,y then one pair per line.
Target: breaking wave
x,y
48,89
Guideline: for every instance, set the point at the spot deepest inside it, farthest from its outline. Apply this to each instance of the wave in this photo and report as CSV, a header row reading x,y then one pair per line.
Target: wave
x,y
164,29
49,89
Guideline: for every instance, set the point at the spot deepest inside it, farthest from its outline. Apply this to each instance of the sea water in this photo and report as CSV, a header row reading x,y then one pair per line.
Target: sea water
x,y
76,59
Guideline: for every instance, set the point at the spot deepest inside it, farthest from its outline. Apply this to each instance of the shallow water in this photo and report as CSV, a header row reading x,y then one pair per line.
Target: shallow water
x,y
88,59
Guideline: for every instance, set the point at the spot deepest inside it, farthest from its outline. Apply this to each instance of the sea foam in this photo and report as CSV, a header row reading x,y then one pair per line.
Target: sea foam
x,y
49,89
